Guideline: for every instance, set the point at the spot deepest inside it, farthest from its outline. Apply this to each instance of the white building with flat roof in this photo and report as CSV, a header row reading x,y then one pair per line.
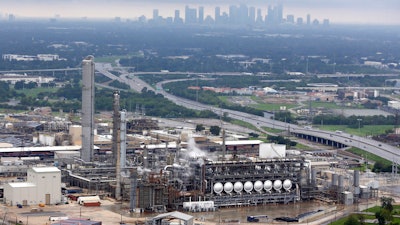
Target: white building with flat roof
x,y
43,186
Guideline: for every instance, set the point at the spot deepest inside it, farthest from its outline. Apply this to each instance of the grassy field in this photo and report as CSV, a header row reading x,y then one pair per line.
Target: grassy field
x,y
35,91
364,131
369,156
244,124
272,130
330,105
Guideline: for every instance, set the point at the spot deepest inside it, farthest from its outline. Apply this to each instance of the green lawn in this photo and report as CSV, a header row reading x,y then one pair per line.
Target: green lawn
x,y
330,105
364,131
272,130
369,156
244,124
35,91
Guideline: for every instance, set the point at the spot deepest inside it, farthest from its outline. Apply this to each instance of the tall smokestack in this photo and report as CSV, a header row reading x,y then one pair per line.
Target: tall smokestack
x,y
123,139
87,108
116,144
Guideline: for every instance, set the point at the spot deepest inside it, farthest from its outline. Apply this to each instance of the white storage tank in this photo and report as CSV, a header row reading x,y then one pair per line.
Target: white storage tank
x,y
277,185
267,185
287,184
238,187
228,187
248,186
258,186
218,188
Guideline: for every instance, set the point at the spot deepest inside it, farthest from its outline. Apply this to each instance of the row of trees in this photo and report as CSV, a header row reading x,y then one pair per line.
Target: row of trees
x,y
355,121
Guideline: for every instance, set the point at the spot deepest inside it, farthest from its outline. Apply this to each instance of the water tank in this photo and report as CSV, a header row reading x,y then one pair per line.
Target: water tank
x,y
228,187
334,179
238,187
258,186
267,185
287,184
277,185
248,186
341,182
218,188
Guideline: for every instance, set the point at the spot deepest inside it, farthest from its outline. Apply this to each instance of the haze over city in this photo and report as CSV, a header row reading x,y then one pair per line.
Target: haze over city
x,y
338,11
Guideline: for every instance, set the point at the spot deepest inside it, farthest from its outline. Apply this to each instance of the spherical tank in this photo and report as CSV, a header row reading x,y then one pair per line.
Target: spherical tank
x,y
218,188
287,184
267,185
258,186
248,186
228,187
238,187
277,185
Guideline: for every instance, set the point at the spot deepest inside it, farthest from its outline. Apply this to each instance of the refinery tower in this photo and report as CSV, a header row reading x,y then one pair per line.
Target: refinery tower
x,y
87,108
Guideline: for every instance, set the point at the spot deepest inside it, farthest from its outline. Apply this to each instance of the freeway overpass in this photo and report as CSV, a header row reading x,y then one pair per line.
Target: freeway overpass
x,y
337,139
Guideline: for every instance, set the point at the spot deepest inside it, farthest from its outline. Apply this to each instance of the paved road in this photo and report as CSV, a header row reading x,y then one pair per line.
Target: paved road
x,y
383,150
386,151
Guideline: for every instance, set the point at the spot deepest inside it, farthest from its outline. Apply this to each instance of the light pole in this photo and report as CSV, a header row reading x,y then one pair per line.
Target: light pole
x,y
359,125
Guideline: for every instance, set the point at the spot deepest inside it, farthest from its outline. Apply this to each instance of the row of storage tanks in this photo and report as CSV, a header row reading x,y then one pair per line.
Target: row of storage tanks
x,y
249,186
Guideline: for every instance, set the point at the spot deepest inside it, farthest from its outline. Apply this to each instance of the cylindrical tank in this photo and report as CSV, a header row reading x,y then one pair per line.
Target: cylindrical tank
x,y
238,187
228,187
258,186
341,182
313,176
267,185
287,184
356,178
334,179
248,186
277,185
218,188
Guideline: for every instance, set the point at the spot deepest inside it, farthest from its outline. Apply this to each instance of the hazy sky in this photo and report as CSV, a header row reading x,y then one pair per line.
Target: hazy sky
x,y
338,11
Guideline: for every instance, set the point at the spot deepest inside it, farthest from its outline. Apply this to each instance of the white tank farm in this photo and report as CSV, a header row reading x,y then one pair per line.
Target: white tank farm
x,y
277,185
267,185
238,187
248,186
258,186
228,187
287,184
218,188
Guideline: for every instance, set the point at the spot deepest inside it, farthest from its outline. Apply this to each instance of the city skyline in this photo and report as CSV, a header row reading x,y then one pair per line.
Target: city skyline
x,y
338,11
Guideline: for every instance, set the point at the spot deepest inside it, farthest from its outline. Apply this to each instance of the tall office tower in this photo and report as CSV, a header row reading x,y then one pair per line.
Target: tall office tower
x,y
252,15
259,18
233,14
190,15
87,108
201,14
217,16
177,18
299,21
242,14
290,18
308,19
155,15
279,13
269,18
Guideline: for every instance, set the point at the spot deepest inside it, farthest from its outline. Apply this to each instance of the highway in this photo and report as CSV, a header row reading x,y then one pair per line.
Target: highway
x,y
383,150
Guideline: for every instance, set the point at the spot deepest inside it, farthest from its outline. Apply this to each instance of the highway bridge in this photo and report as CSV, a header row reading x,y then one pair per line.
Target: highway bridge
x,y
337,139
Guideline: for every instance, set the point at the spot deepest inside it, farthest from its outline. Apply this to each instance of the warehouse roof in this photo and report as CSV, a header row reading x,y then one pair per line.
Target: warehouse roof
x,y
22,185
175,214
45,169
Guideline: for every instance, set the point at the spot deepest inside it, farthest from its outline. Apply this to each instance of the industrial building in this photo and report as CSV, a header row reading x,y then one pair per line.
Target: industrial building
x,y
43,186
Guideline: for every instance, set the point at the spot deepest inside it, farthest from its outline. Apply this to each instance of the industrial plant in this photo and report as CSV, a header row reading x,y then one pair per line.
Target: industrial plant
x,y
132,159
